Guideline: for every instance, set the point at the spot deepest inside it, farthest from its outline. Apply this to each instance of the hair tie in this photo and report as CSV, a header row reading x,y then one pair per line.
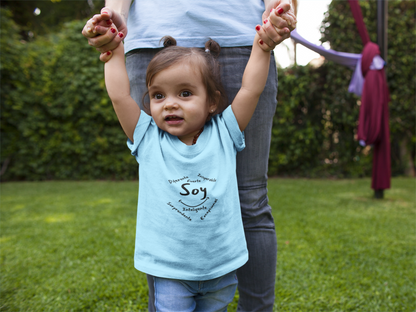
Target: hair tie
x,y
207,50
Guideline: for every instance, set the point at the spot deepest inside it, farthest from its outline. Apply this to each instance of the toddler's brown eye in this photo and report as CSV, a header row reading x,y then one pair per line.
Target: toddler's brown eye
x,y
158,96
185,93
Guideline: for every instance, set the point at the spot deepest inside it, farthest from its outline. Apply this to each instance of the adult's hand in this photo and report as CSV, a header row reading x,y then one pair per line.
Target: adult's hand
x,y
280,7
278,21
105,31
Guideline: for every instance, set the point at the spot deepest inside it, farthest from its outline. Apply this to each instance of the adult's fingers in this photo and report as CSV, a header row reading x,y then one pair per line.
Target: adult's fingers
x,y
112,44
116,18
273,35
104,39
283,7
286,19
264,42
106,56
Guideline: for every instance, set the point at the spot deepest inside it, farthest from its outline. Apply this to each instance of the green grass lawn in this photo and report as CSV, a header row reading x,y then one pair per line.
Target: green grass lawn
x,y
68,246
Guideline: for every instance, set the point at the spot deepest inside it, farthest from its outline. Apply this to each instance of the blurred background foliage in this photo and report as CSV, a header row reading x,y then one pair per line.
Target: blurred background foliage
x,y
316,119
57,121
36,17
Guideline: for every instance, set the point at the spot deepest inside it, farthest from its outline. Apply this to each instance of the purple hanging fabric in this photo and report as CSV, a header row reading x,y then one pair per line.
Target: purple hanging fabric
x,y
343,58
357,79
351,60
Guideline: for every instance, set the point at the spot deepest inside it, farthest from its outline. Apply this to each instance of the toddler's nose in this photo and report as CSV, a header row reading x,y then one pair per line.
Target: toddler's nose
x,y
170,104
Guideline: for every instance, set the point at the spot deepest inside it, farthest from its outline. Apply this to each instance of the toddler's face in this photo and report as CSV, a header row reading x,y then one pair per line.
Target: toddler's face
x,y
178,101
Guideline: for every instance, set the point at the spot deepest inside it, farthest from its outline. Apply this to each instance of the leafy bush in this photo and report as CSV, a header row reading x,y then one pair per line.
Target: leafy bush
x,y
57,120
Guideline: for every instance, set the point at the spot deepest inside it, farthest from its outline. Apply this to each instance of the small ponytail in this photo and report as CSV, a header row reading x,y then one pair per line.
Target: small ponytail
x,y
212,47
168,41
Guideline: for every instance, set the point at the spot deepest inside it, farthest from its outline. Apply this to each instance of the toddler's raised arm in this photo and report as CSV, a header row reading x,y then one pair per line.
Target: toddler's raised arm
x,y
254,80
118,88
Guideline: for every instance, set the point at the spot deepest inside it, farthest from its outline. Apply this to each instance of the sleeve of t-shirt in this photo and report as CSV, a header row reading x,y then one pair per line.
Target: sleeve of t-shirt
x,y
233,129
142,125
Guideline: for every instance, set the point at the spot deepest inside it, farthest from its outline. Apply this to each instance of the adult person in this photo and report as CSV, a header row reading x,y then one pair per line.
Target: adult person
x,y
142,24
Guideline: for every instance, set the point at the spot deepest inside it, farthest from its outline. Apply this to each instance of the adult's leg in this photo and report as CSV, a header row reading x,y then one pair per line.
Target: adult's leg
x,y
256,279
136,64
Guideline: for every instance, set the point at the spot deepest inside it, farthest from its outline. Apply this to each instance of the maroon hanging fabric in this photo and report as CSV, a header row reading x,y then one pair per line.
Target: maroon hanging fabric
x,y
373,122
359,21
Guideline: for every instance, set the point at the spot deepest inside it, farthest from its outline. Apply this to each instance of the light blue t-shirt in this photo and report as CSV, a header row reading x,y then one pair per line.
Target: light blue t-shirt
x,y
231,23
189,223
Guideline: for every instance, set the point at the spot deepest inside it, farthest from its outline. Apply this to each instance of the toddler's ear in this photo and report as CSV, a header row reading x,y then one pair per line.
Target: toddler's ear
x,y
214,105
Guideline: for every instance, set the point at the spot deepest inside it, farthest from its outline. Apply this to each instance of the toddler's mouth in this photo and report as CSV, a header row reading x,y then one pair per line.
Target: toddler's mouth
x,y
173,118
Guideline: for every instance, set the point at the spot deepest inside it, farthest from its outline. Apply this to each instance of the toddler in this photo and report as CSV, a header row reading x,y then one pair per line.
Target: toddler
x,y
189,233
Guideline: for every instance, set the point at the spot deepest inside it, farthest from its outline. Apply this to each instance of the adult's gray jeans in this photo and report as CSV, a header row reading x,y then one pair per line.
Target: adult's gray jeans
x,y
256,279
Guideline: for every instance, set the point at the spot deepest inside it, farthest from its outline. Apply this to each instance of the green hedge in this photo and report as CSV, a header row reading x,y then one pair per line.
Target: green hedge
x,y
57,121
315,124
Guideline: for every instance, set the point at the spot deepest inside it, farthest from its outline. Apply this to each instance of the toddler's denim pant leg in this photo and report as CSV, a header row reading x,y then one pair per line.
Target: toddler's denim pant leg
x,y
257,277
188,296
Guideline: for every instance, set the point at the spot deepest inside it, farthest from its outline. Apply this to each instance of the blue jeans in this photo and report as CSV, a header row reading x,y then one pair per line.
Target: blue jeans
x,y
256,279
187,296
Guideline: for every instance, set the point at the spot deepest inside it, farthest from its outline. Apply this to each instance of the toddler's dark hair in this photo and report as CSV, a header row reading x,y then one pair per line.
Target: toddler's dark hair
x,y
204,60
